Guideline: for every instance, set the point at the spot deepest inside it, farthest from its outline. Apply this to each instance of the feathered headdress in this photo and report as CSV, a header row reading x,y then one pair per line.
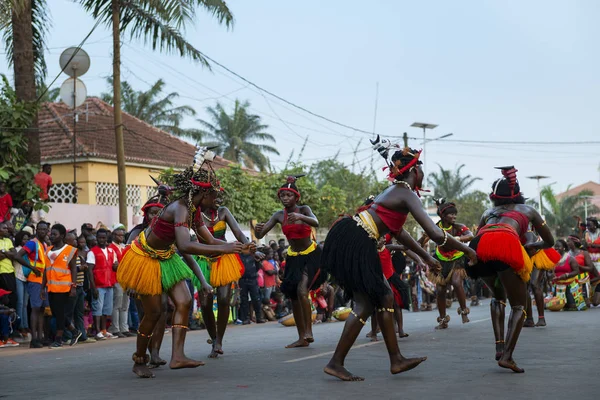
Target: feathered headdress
x,y
290,185
402,160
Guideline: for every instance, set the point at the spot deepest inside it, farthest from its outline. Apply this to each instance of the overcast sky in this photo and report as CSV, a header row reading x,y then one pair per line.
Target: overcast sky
x,y
482,70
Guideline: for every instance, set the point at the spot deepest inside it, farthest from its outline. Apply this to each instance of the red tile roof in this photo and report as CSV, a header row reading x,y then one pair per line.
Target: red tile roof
x,y
144,144
591,186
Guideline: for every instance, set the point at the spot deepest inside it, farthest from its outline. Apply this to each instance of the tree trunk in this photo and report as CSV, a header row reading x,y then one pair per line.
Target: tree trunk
x,y
121,175
23,66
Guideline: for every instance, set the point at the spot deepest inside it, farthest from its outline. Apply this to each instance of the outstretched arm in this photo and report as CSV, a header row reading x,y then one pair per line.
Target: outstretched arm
x,y
189,260
407,240
235,227
260,230
542,229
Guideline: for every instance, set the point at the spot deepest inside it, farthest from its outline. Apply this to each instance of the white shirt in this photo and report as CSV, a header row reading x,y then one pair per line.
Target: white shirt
x,y
91,258
52,254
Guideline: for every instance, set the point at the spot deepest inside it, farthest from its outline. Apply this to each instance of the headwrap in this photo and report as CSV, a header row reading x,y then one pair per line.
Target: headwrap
x,y
510,180
290,185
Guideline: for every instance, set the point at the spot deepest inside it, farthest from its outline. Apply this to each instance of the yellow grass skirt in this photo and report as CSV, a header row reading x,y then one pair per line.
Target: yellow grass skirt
x,y
226,269
150,272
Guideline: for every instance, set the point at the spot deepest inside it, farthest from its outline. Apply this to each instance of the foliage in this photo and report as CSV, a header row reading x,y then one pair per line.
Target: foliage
x,y
155,108
15,117
159,22
49,95
41,22
560,213
236,133
471,207
450,183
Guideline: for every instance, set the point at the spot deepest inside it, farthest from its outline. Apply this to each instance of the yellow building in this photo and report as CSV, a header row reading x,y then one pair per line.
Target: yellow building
x,y
148,151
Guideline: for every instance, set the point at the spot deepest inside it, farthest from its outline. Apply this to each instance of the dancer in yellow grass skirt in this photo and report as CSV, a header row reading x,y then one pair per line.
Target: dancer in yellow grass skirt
x,y
221,271
151,266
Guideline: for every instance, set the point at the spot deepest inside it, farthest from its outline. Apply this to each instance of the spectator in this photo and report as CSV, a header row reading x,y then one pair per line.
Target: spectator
x,y
60,278
102,262
21,281
87,229
22,217
6,203
76,308
269,268
119,326
33,256
7,270
44,181
249,286
281,249
5,315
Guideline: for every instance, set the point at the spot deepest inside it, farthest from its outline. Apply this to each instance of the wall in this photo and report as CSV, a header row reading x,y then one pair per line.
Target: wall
x,y
73,216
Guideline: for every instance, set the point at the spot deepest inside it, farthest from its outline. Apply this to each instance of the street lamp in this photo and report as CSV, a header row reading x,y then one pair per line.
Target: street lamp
x,y
538,178
424,126
585,202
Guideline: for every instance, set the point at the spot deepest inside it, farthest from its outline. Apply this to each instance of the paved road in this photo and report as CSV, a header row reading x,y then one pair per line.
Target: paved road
x,y
257,366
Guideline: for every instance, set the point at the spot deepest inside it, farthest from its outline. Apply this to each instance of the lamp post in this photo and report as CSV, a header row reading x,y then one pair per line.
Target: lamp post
x,y
585,203
424,126
538,178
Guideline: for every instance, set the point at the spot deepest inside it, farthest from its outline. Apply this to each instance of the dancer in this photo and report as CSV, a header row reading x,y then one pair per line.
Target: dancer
x,y
543,260
151,266
303,264
503,258
453,261
350,255
222,271
150,210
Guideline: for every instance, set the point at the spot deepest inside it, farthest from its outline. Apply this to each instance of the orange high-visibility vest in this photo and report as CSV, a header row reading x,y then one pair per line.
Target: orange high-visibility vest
x,y
40,261
58,274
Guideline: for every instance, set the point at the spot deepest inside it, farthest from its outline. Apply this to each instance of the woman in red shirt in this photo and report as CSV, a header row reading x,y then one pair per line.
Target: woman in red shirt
x,y
566,268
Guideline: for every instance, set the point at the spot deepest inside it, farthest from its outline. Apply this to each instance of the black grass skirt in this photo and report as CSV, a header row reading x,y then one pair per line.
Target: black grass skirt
x,y
351,257
296,267
403,289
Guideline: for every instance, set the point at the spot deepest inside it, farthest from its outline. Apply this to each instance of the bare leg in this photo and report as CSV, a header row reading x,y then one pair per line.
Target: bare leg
x,y
400,322
158,334
181,297
373,334
516,291
298,311
152,312
497,311
209,319
354,324
443,319
306,309
529,323
224,304
539,297
463,311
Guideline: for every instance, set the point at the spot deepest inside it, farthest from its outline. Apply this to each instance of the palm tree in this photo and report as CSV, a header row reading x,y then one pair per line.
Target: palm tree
x,y
24,24
158,112
234,134
46,95
450,184
561,213
158,22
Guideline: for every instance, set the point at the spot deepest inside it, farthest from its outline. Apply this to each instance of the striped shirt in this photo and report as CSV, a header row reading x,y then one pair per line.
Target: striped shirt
x,y
80,273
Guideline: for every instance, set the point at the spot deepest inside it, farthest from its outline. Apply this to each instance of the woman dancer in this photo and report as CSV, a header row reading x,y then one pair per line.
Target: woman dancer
x,y
151,266
221,272
543,260
502,257
579,250
303,264
350,255
453,261
565,270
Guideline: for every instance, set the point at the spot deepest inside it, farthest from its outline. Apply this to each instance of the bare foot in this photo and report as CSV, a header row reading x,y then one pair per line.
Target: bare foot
x,y
297,343
465,319
499,351
541,322
406,364
401,334
442,326
342,373
528,323
511,364
309,339
213,353
374,338
371,334
155,361
184,362
142,371
218,347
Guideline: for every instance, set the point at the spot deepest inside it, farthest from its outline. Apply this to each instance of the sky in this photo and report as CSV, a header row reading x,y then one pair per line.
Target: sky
x,y
482,70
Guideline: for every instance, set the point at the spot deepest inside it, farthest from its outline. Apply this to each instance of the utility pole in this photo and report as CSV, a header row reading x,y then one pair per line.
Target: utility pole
x,y
405,138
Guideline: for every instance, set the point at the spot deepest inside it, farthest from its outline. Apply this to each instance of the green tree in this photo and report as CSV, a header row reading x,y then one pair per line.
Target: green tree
x,y
15,119
560,214
450,184
158,22
155,108
24,35
236,135
471,207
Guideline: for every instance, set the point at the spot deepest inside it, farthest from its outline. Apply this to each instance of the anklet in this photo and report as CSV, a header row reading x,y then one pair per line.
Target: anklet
x,y
499,341
140,360
362,321
180,326
144,335
385,309
464,311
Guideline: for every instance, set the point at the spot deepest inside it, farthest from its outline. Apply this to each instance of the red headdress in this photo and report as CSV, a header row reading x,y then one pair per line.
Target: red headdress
x,y
510,179
290,185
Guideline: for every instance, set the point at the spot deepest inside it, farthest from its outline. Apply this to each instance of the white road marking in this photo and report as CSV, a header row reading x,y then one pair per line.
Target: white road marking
x,y
328,353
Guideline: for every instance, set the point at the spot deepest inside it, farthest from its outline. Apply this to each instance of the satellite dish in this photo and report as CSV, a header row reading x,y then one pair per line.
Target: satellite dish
x,y
74,61
66,92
